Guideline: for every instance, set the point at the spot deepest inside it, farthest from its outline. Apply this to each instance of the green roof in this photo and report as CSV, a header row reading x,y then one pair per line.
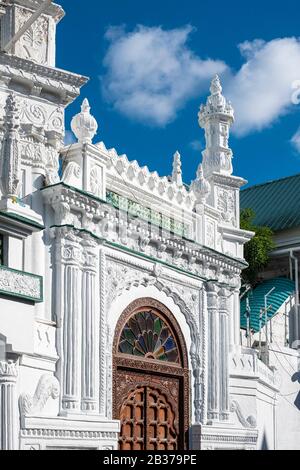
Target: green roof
x,y
283,289
276,204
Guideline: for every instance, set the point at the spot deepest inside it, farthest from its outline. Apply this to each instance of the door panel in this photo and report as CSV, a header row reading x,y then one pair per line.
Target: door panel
x,y
149,411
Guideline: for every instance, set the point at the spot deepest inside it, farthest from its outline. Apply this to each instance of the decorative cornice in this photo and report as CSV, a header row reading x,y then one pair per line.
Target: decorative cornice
x,y
62,84
82,202
67,434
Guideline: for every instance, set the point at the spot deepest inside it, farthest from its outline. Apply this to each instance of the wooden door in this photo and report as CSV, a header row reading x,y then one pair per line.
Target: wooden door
x,y
149,412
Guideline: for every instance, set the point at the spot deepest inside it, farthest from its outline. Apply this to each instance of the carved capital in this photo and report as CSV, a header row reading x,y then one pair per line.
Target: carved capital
x,y
8,371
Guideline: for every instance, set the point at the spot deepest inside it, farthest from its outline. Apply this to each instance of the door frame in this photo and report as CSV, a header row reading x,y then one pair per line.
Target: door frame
x,y
129,363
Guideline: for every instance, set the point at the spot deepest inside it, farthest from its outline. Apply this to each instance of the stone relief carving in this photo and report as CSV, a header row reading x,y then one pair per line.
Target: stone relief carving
x,y
72,174
226,205
33,113
19,283
96,181
210,233
48,387
33,44
249,422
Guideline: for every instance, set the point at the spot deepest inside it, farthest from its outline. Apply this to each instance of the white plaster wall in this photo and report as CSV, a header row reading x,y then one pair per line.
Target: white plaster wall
x,y
15,253
17,324
286,361
265,418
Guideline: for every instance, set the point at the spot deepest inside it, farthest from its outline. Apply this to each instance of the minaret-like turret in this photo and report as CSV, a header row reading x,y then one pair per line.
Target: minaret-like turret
x,y
215,118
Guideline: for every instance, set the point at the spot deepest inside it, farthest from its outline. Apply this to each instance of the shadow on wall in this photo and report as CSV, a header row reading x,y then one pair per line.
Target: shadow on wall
x,y
264,443
2,347
296,378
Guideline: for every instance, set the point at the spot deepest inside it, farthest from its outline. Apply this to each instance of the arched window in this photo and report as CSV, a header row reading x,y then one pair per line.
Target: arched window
x,y
147,335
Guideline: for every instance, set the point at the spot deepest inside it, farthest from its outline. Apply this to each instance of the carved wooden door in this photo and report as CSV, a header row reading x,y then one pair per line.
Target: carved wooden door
x,y
149,412
150,379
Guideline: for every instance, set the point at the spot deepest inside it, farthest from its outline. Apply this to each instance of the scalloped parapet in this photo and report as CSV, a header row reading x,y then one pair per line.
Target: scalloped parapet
x,y
146,181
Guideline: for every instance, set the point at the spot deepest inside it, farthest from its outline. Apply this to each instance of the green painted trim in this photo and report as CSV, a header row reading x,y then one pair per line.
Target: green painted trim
x,y
215,252
136,253
20,218
147,214
21,296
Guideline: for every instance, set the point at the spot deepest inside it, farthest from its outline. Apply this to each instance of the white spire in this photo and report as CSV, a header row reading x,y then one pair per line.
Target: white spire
x,y
177,172
200,187
216,117
84,125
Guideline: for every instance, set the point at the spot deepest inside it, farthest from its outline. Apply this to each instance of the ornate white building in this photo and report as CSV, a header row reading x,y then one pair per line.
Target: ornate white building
x,y
119,289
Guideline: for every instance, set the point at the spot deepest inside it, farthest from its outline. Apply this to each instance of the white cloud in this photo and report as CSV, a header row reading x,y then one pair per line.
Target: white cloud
x,y
151,72
197,145
261,91
295,140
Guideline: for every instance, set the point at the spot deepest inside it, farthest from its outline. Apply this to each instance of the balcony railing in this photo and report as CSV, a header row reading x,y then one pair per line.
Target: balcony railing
x,y
21,284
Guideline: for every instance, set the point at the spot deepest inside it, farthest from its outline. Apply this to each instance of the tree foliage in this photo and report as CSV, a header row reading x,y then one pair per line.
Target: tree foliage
x,y
257,250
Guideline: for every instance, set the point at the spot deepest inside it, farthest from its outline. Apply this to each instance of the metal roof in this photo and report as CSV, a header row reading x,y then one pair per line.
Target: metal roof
x,y
283,289
276,204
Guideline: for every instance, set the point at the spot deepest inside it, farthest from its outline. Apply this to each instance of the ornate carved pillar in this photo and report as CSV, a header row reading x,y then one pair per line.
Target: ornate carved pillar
x,y
224,355
68,310
11,162
8,405
213,352
90,327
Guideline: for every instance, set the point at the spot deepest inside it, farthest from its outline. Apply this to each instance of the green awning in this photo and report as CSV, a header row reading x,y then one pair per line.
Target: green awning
x,y
283,289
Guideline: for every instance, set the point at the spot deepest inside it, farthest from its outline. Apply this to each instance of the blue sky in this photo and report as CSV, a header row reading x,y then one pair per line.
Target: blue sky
x,y
150,63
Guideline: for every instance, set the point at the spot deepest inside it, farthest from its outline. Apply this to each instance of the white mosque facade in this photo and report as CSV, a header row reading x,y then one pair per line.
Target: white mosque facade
x,y
119,288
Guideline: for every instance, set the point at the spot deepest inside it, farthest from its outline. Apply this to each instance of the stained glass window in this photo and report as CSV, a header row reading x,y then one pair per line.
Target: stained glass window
x,y
147,335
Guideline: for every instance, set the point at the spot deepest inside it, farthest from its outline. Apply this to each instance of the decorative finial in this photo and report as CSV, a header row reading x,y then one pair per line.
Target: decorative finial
x,y
177,172
215,86
200,187
84,125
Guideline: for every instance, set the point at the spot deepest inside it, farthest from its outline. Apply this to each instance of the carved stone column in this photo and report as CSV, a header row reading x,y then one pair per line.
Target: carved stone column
x,y
11,162
68,310
224,355
8,405
90,327
213,353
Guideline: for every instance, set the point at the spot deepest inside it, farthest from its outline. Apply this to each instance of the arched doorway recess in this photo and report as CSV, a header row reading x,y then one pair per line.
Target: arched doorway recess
x,y
150,378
